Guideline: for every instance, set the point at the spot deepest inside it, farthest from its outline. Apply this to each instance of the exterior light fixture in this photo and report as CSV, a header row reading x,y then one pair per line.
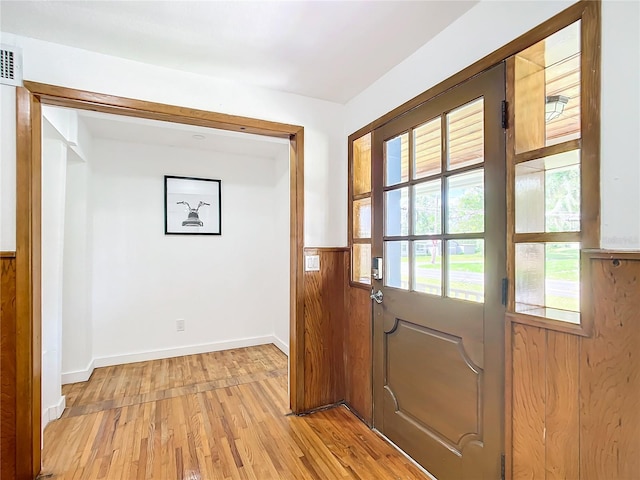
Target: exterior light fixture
x,y
554,106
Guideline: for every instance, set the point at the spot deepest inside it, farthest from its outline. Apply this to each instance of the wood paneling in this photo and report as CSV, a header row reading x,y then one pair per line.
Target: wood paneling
x,y
562,407
574,400
528,401
610,374
8,365
324,302
357,354
212,416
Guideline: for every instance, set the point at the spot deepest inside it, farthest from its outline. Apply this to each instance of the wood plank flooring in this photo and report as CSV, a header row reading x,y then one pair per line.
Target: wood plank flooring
x,y
213,416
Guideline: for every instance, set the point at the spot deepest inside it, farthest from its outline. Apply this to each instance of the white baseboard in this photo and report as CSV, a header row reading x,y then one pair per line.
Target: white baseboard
x,y
281,345
83,375
181,351
53,412
78,375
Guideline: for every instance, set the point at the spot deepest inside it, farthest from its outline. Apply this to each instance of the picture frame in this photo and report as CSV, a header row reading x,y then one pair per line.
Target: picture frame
x,y
192,206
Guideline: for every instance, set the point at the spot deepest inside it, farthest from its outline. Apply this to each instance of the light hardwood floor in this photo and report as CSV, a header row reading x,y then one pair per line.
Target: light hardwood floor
x,y
220,415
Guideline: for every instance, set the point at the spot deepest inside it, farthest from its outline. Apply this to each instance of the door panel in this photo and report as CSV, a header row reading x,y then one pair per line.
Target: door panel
x,y
446,410
439,206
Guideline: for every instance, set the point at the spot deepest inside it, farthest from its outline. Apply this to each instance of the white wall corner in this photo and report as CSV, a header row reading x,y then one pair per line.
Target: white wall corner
x,y
53,412
78,375
283,346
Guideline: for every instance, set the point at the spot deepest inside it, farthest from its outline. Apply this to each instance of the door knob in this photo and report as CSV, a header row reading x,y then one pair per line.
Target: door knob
x,y
377,296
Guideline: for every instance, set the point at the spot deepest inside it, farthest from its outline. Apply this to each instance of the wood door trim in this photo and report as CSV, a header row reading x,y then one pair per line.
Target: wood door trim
x,y
28,223
28,321
7,254
557,22
82,99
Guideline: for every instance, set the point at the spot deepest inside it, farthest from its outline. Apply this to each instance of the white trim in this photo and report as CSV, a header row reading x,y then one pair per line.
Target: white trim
x,y
281,345
78,375
83,375
181,351
53,412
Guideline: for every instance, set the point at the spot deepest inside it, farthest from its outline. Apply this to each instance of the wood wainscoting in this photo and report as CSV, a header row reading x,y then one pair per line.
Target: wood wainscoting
x,y
324,301
573,402
337,320
8,365
357,353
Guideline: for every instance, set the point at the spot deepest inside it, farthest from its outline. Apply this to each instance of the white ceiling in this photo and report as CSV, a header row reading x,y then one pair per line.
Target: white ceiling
x,y
331,50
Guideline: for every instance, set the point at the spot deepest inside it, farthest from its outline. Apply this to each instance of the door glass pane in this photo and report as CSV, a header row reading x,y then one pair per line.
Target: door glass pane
x,y
427,204
548,280
427,148
396,272
427,266
396,208
465,264
465,135
361,264
396,160
362,218
362,165
465,202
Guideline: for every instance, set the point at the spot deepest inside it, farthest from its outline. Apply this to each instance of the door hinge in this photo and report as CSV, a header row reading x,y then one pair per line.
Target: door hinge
x,y
502,467
505,116
505,291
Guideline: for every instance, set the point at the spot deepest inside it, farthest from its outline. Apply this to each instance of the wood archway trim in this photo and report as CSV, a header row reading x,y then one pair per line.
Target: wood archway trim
x,y
30,99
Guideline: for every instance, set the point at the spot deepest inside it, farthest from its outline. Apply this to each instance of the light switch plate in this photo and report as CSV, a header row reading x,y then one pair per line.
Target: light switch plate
x,y
312,263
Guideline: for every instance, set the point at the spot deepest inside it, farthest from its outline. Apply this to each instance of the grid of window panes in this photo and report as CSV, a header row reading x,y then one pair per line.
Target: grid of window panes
x,y
361,212
547,177
434,206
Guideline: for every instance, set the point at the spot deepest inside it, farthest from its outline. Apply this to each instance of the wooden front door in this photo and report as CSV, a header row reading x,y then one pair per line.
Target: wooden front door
x,y
440,233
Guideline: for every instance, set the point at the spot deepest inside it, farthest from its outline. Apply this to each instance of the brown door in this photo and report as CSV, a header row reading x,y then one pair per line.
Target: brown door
x,y
440,230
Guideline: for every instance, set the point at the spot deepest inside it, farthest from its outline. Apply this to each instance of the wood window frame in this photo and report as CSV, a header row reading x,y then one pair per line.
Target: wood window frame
x,y
351,198
588,13
29,101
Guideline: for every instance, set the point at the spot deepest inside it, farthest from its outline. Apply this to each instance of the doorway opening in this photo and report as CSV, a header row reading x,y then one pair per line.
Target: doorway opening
x,y
29,222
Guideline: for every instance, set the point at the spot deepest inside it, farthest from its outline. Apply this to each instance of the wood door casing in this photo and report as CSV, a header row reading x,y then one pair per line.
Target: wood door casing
x,y
439,361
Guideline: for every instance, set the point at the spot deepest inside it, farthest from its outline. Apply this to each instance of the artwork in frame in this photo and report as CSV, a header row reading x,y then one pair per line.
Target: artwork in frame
x,y
192,206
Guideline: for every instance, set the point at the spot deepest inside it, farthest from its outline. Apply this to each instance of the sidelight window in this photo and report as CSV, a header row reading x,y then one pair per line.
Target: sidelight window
x,y
552,172
361,210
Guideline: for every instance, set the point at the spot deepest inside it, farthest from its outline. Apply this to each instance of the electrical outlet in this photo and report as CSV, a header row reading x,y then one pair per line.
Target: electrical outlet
x,y
180,325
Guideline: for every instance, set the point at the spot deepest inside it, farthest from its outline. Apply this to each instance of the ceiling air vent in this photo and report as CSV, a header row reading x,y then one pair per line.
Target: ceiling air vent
x,y
10,65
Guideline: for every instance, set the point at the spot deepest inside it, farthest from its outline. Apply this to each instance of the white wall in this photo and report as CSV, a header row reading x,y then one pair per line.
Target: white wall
x,y
54,164
77,335
279,278
7,168
491,24
325,148
620,167
229,289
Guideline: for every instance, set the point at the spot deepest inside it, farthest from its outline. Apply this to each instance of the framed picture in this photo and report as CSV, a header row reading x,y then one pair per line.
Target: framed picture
x,y
192,206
